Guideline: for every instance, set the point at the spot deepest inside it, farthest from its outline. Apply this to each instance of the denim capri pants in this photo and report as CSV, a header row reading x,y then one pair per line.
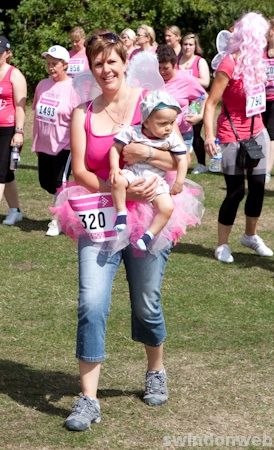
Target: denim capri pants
x,y
96,274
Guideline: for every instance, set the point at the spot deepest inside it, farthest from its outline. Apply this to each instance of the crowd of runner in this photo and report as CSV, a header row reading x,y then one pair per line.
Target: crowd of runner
x,y
135,145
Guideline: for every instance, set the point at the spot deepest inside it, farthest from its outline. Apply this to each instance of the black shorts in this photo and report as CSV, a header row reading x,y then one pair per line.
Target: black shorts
x,y
51,169
268,118
6,135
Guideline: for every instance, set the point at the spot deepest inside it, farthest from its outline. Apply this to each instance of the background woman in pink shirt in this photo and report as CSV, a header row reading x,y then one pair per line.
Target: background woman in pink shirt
x,y
128,37
240,70
268,115
78,60
173,38
13,93
185,89
53,103
145,40
192,62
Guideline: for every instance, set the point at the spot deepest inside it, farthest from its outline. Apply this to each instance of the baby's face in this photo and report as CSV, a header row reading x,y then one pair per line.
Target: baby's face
x,y
160,122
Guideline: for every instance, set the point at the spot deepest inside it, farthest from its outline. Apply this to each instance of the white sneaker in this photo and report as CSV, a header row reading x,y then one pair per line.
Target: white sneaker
x,y
13,216
223,253
256,243
200,168
267,177
53,228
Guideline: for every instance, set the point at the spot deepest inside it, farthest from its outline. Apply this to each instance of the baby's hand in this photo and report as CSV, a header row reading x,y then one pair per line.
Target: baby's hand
x,y
177,188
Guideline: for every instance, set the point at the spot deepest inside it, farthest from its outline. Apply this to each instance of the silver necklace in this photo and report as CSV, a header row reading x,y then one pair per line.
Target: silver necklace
x,y
120,123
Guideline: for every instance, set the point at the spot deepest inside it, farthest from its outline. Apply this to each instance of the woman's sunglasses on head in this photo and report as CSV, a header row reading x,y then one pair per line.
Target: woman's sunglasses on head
x,y
108,36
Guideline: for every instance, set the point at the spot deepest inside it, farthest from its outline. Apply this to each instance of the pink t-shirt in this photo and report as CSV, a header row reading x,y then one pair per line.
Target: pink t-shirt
x,y
53,105
7,108
269,88
97,151
184,88
78,62
234,98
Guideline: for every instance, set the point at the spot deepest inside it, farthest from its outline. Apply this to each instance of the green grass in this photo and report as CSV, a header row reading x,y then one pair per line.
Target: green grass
x,y
219,351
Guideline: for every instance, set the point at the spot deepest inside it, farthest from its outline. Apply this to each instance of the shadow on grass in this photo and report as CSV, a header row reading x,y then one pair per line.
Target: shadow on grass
x,y
29,225
28,167
242,260
39,389
268,193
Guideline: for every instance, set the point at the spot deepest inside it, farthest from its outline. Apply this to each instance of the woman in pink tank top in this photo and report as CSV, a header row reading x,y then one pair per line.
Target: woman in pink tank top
x,y
192,62
92,131
13,93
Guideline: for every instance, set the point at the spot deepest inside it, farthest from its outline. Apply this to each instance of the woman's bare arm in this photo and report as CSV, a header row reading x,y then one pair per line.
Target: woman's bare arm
x,y
136,152
19,87
219,84
78,151
204,74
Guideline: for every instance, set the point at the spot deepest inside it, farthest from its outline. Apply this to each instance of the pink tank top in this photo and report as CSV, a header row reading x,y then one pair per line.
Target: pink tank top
x,y
98,147
7,108
194,68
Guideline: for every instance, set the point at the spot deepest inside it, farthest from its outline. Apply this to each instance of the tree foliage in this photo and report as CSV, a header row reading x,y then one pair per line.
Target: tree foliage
x,y
35,25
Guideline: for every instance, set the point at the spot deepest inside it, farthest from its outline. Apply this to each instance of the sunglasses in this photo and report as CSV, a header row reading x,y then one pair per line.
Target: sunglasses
x,y
110,37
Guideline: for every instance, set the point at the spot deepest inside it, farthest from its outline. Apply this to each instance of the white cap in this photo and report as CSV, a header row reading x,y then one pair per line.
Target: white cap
x,y
58,52
158,100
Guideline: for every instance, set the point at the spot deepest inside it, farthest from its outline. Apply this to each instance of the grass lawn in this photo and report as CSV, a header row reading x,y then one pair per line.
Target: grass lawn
x,y
219,352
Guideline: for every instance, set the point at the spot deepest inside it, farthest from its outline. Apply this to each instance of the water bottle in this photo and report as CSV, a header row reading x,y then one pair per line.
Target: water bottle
x,y
195,107
14,157
215,164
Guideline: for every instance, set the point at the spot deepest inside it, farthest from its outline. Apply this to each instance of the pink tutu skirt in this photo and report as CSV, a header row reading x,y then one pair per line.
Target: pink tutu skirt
x,y
188,212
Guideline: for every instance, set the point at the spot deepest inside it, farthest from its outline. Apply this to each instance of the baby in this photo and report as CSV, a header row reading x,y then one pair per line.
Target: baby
x,y
159,113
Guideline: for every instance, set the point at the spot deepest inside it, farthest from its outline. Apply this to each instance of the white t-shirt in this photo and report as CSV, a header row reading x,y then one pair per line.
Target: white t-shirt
x,y
172,143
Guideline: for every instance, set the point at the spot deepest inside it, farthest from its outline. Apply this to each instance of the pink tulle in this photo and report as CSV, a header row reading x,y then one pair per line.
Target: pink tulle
x,y
188,212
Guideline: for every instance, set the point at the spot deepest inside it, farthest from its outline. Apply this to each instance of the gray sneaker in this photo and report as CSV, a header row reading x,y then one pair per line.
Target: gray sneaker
x,y
156,388
85,411
200,168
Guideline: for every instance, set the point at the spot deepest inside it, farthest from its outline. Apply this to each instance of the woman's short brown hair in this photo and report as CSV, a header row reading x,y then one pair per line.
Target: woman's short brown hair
x,y
104,41
166,54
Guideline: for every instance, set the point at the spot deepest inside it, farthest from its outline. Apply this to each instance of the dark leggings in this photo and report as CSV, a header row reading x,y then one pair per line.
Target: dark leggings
x,y
6,134
235,192
198,143
51,169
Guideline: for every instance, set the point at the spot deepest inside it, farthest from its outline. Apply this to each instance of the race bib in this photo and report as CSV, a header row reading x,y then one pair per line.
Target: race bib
x,y
97,215
269,63
47,109
76,66
189,71
255,101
